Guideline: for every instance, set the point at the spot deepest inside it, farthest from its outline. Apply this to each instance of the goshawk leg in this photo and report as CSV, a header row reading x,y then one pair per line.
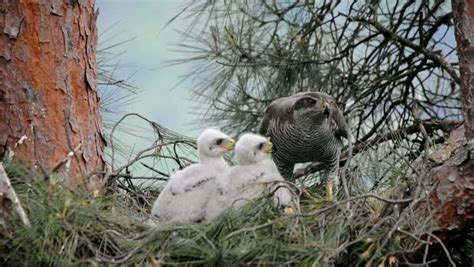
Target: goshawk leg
x,y
332,182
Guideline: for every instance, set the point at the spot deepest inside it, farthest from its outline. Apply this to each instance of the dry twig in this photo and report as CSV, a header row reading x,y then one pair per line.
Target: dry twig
x,y
7,191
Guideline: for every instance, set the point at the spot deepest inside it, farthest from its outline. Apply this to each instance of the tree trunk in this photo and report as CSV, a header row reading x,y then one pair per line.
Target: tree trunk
x,y
49,104
462,196
463,16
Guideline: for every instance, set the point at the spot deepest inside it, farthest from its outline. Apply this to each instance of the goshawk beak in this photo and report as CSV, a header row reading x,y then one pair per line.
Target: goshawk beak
x,y
229,145
268,148
327,110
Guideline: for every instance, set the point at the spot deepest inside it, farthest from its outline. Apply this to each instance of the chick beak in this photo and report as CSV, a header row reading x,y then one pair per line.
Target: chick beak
x,y
229,145
327,110
268,148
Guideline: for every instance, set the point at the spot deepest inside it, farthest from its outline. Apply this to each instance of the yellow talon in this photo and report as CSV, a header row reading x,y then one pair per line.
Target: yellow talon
x,y
289,211
329,194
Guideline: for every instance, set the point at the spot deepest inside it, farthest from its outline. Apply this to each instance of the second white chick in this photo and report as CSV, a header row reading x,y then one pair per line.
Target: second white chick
x,y
248,180
185,197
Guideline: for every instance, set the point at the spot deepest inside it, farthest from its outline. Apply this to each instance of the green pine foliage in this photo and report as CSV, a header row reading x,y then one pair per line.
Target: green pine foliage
x,y
73,228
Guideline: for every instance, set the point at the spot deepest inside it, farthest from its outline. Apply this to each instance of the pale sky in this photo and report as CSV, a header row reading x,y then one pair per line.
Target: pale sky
x,y
144,20
144,57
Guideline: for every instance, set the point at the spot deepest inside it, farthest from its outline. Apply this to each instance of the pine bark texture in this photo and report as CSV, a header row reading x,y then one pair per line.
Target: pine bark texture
x,y
452,171
48,85
463,16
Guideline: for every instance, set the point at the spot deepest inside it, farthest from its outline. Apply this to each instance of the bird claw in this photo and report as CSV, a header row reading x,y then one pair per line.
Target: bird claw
x,y
289,211
329,192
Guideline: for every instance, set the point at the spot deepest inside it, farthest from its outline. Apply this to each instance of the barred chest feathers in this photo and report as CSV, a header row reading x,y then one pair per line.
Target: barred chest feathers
x,y
304,141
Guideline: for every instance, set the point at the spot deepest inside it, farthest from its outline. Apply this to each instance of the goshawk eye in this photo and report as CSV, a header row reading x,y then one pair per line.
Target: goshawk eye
x,y
219,141
310,102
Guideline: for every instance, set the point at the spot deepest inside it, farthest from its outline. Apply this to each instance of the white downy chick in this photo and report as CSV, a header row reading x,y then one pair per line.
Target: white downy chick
x,y
248,180
185,197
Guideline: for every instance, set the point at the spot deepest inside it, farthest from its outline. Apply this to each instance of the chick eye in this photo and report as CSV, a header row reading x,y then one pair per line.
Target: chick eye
x,y
310,102
219,141
260,146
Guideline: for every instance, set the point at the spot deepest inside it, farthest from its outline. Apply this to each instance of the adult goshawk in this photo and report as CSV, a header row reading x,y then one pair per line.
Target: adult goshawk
x,y
306,127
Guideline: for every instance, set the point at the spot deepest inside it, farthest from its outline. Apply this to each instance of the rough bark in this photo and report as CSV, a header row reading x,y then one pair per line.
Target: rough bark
x,y
463,16
441,185
453,174
48,91
455,200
